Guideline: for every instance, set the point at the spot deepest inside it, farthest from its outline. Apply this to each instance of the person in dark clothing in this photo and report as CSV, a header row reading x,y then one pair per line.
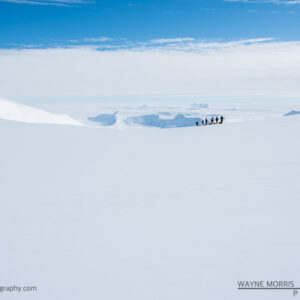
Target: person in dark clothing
x,y
212,120
206,121
197,123
217,120
202,122
221,120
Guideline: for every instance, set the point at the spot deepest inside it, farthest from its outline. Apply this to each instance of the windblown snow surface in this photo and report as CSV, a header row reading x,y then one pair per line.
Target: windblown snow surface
x,y
96,213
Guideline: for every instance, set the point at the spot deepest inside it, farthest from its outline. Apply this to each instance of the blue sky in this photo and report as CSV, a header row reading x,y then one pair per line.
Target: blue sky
x,y
47,23
190,50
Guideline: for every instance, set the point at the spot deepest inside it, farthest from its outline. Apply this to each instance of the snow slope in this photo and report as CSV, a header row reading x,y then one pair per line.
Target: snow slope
x,y
93,213
13,111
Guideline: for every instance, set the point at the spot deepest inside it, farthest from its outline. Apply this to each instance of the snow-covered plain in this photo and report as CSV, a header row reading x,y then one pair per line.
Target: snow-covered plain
x,y
144,213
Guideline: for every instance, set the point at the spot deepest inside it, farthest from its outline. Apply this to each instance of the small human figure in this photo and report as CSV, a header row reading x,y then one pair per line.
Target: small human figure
x,y
212,120
217,120
206,121
202,122
221,120
197,123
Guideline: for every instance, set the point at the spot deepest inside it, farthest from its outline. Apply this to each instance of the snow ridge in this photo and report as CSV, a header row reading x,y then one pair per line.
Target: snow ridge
x,y
149,120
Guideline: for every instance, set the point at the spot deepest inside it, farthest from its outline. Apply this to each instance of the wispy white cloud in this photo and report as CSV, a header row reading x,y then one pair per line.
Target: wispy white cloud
x,y
98,39
286,2
176,44
49,2
193,45
174,40
247,68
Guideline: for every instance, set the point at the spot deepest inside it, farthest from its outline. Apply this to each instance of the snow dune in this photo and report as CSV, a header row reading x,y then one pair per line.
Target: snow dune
x,y
14,111
292,113
105,119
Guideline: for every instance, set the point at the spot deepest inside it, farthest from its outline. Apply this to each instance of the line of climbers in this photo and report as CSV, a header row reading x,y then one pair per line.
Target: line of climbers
x,y
212,121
